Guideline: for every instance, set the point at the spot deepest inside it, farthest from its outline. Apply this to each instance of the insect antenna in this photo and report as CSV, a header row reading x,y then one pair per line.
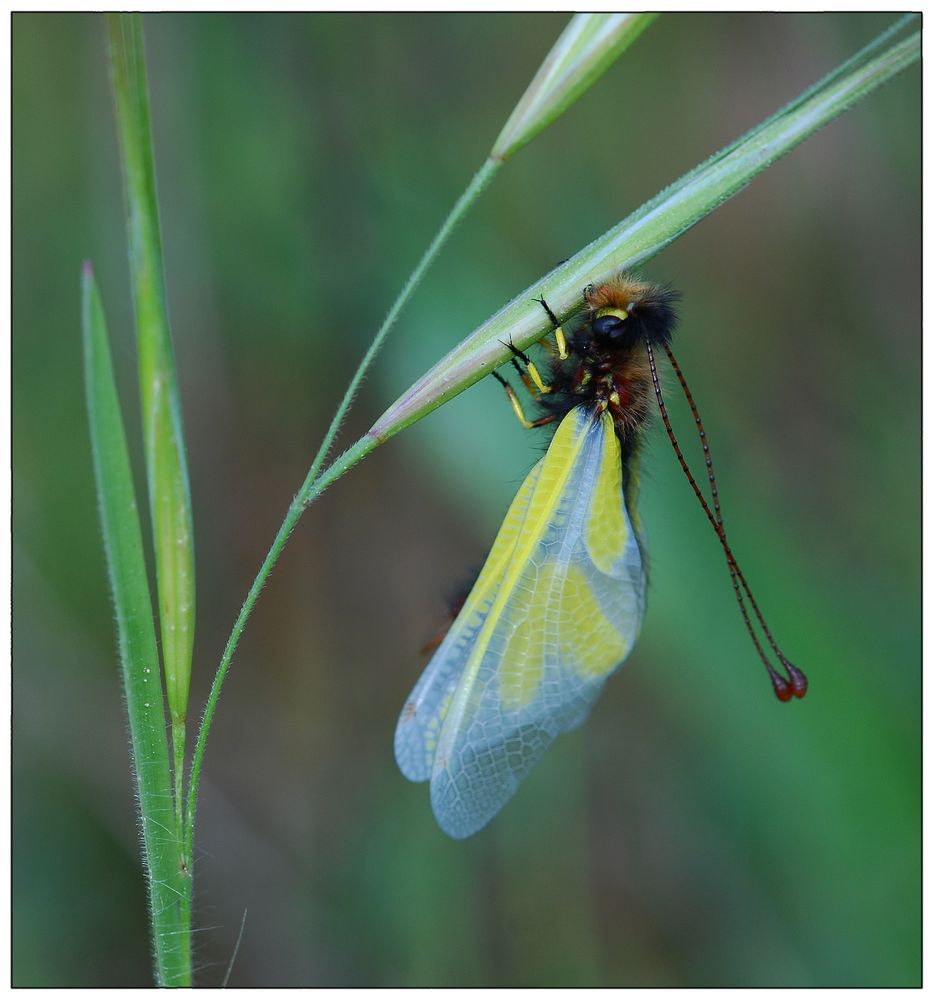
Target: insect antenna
x,y
784,689
799,681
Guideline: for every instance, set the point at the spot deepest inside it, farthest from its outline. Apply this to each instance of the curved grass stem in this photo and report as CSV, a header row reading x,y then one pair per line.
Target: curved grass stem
x,y
632,241
307,493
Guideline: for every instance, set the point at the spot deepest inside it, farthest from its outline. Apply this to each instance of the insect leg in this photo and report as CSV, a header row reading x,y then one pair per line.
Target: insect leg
x,y
558,332
540,385
526,381
516,405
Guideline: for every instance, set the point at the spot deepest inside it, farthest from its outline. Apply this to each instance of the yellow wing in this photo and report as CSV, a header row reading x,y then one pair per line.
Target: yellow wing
x,y
556,609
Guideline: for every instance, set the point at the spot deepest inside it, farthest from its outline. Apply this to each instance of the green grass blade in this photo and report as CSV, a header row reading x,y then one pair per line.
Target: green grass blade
x,y
640,236
123,543
586,48
166,468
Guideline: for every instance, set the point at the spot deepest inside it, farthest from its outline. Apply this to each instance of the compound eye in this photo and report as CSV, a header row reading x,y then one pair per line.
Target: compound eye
x,y
608,327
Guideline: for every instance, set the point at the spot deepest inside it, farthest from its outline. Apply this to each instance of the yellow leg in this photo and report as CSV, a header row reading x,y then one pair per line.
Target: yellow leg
x,y
517,406
526,381
562,343
540,384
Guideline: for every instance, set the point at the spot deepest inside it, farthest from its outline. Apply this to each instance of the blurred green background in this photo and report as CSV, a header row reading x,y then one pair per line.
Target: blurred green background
x,y
695,832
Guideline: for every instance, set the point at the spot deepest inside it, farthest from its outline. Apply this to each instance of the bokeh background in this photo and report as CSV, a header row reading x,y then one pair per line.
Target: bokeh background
x,y
695,832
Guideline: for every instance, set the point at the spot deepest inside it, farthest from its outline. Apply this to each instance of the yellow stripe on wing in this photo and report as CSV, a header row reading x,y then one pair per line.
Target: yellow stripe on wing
x,y
420,724
556,470
607,532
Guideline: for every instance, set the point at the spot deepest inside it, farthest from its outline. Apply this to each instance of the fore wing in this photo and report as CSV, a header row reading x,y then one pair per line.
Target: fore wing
x,y
419,725
559,609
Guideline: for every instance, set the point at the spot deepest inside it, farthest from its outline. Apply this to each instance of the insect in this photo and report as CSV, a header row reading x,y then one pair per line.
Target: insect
x,y
559,602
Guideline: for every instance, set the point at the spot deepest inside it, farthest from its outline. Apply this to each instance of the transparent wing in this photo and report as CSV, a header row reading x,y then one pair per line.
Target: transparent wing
x,y
559,610
419,724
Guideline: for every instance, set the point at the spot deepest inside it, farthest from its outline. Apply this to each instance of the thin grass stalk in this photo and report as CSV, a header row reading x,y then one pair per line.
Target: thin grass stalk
x,y
586,48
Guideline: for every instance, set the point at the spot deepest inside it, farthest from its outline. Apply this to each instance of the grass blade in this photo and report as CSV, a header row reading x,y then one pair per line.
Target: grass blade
x,y
123,543
586,48
166,468
640,236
